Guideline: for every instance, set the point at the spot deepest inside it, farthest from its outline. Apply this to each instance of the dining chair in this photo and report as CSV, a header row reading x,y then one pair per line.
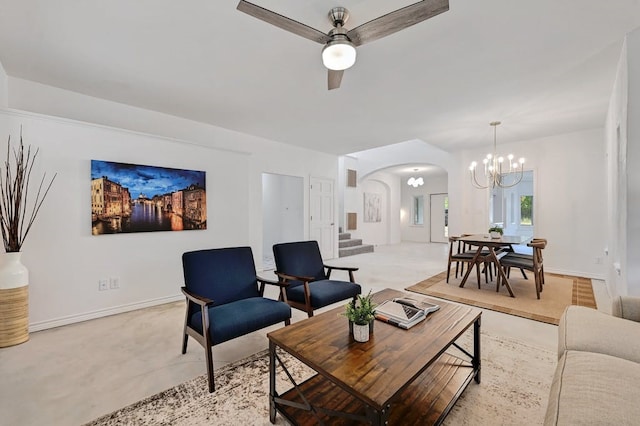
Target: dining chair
x,y
458,255
527,254
307,280
225,299
533,263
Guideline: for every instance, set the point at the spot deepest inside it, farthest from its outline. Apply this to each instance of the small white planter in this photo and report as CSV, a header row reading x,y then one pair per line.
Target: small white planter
x,y
495,234
361,333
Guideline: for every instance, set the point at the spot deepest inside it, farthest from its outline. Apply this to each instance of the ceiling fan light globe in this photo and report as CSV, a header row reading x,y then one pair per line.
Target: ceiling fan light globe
x,y
339,55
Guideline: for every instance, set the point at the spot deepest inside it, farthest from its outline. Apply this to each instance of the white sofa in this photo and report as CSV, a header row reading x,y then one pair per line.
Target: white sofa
x,y
597,380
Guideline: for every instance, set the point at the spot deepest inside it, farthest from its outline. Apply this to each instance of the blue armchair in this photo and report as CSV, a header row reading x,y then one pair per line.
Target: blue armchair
x,y
224,300
308,285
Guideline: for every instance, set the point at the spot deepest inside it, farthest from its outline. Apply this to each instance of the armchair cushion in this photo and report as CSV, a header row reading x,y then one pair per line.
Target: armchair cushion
x,y
241,317
325,292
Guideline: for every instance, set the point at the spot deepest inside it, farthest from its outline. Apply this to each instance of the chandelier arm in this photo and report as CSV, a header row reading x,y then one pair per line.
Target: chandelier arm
x,y
474,180
518,180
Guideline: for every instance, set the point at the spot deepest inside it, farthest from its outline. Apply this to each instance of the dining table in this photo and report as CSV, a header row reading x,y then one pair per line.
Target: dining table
x,y
494,248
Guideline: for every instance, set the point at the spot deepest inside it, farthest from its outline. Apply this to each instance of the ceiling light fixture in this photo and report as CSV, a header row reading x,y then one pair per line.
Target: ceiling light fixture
x,y
493,169
415,182
339,54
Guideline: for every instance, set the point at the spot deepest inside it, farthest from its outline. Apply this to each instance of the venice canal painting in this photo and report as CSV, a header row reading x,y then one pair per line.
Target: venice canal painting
x,y
135,198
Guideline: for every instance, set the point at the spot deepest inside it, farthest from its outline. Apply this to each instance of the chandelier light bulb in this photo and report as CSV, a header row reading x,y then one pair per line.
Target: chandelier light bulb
x,y
521,160
510,157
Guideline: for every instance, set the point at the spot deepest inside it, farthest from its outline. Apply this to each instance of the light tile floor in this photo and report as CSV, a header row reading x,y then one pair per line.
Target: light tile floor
x,y
73,374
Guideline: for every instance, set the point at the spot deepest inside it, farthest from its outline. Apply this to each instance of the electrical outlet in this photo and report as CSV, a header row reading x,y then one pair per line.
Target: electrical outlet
x,y
114,282
103,284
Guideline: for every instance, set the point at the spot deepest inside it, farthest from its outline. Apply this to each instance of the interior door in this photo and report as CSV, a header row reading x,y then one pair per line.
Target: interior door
x,y
438,205
321,220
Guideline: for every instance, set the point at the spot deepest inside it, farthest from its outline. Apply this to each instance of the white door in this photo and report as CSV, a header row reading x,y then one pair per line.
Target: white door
x,y
438,217
321,221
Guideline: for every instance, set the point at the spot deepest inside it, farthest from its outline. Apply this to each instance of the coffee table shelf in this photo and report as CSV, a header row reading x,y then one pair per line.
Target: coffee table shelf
x,y
426,401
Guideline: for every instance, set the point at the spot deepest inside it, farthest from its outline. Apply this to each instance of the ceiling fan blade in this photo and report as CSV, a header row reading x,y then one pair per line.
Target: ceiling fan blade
x,y
334,78
283,22
396,21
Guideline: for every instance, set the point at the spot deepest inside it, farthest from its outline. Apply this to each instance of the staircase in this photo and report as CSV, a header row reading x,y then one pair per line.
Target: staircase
x,y
349,247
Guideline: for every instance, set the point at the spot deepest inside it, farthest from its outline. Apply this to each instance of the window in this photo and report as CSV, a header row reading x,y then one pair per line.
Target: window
x,y
526,210
418,210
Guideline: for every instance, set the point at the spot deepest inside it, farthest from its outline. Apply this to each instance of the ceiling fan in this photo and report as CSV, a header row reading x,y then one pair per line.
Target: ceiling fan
x,y
339,51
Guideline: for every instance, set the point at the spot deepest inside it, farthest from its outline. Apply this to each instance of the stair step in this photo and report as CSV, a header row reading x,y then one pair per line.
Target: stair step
x,y
350,251
349,243
344,236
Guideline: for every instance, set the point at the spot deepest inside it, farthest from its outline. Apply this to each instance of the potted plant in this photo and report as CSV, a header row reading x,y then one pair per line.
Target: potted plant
x,y
360,315
19,206
496,232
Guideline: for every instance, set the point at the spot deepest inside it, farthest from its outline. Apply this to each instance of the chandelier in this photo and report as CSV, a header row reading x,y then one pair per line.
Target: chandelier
x,y
415,182
494,169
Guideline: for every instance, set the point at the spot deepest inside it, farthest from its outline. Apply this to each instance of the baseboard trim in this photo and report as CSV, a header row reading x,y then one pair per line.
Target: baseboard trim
x,y
575,273
114,310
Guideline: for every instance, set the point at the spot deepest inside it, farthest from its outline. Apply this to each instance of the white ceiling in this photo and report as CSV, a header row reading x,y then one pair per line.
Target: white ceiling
x,y
541,67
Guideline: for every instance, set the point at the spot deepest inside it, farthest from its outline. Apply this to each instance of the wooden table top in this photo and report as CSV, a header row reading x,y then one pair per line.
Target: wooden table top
x,y
378,370
503,240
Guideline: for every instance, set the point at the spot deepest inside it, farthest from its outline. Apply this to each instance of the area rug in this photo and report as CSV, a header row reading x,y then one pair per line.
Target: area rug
x,y
516,379
559,292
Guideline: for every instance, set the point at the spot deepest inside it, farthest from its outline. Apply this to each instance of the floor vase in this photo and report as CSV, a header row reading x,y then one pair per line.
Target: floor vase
x,y
14,300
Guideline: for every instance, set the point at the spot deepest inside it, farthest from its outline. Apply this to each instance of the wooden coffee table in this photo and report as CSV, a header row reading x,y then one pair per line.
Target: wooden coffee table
x,y
397,377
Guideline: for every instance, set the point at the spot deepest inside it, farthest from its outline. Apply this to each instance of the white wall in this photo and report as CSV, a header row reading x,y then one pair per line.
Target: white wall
x,y
623,149
616,145
432,185
66,261
633,159
569,199
350,198
4,90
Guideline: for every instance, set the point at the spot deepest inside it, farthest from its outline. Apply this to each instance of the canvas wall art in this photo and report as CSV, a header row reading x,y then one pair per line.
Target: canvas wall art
x,y
137,198
372,207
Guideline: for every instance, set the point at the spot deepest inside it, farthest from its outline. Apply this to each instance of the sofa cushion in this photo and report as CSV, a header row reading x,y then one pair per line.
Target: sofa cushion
x,y
594,389
586,329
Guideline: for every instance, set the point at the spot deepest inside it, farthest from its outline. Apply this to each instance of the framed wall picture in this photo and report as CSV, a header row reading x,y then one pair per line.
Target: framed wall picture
x,y
372,207
136,198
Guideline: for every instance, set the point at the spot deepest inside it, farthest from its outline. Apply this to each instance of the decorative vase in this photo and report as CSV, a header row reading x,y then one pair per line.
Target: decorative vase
x,y
14,300
361,332
495,234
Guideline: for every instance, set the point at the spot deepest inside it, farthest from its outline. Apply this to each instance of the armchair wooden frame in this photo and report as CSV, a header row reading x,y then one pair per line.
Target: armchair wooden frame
x,y
205,338
284,280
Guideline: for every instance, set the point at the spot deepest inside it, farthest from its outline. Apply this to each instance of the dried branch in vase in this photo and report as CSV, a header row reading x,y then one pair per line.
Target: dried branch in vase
x,y
17,214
